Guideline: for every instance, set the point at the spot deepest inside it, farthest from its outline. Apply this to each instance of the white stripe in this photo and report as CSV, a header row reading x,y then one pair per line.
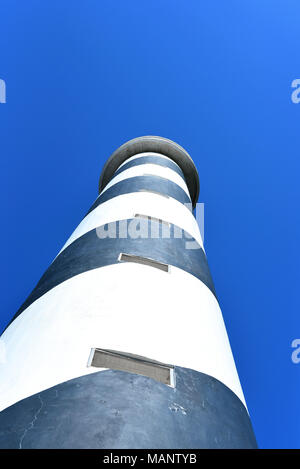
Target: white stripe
x,y
170,317
139,155
146,170
127,205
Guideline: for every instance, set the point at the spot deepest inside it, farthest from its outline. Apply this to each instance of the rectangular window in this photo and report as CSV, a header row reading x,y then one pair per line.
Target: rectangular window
x,y
143,260
102,358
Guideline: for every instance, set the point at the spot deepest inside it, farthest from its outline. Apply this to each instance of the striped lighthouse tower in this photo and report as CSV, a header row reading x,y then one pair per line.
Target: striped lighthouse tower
x,y
122,343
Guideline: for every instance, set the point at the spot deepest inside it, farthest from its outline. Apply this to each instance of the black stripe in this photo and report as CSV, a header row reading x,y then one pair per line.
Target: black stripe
x,y
90,252
115,409
158,160
140,183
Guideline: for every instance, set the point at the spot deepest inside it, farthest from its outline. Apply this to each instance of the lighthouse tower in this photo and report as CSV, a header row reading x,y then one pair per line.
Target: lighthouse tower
x,y
122,343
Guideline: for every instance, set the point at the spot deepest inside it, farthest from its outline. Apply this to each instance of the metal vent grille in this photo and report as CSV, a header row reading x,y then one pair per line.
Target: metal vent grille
x,y
143,260
102,358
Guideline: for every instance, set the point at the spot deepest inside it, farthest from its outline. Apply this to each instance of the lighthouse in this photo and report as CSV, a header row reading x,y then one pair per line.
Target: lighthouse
x,y
122,342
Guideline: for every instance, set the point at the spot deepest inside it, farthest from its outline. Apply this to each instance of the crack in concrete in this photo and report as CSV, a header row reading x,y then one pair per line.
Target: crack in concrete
x,y
31,425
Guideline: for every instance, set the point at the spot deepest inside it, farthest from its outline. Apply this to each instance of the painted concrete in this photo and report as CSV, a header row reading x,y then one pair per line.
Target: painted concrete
x,y
114,409
152,184
141,155
153,159
149,170
127,205
88,299
153,144
177,317
103,246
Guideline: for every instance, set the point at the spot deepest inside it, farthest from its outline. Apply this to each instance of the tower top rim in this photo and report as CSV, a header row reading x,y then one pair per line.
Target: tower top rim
x,y
155,144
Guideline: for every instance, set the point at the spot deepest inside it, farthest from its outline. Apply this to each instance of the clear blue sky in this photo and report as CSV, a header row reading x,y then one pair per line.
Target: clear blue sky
x,y
83,77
